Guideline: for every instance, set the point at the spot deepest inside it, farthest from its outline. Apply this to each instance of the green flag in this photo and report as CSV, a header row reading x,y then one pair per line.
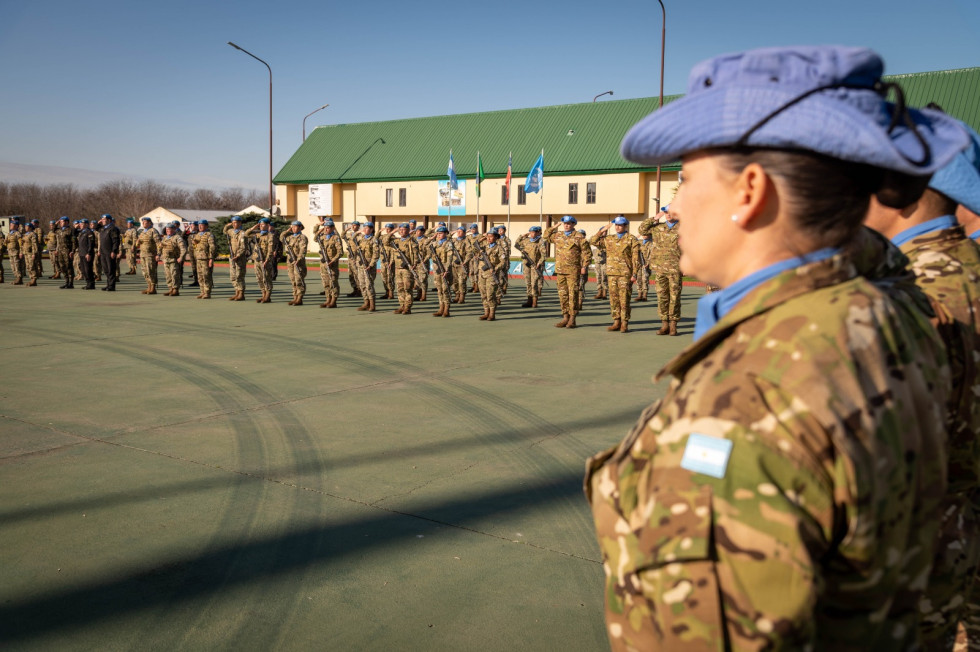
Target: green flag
x,y
479,173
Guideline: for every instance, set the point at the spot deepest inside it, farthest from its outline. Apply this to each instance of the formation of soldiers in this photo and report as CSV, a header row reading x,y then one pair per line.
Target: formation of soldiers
x,y
459,261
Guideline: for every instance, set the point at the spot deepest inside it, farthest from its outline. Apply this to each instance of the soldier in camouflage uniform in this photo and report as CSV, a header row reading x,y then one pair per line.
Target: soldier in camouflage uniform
x,y
66,244
172,253
472,233
422,267
129,244
601,282
263,256
50,243
331,251
782,494
506,246
30,247
622,251
148,242
492,259
351,234
666,264
237,256
584,278
572,259
406,258
387,269
643,280
295,244
532,249
190,229
3,252
946,264
370,247
203,244
15,252
442,256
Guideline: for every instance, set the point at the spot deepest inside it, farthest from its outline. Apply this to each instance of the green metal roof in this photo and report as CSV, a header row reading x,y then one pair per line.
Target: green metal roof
x,y
577,138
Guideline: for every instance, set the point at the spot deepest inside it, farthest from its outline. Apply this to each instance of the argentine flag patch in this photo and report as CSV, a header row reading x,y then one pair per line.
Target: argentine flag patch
x,y
707,455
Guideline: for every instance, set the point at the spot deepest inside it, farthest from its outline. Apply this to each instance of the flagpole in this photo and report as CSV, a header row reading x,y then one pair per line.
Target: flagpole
x,y
449,192
541,204
510,156
478,193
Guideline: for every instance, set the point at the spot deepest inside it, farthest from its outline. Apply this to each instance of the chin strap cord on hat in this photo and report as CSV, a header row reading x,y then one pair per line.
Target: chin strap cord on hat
x,y
901,113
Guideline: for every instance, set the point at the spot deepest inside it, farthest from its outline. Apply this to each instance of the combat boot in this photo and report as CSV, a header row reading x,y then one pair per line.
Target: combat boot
x,y
152,290
445,313
493,315
615,325
21,282
325,304
146,291
299,300
293,302
534,302
333,303
363,306
175,292
485,315
673,327
371,307
32,283
598,294
664,328
438,313
407,310
268,297
424,294
571,322
625,328
71,283
563,322
399,310
527,304
234,297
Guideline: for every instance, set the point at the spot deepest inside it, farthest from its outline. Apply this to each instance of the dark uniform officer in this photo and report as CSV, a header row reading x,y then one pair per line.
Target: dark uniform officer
x,y
86,255
109,242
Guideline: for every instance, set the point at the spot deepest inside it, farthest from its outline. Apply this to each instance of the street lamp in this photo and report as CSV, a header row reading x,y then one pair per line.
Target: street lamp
x,y
663,40
601,94
271,200
307,116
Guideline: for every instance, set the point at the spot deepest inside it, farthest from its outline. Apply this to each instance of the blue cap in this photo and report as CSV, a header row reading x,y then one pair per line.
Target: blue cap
x,y
411,221
355,223
368,225
442,229
390,225
296,223
403,225
327,222
825,99
145,219
65,218
536,229
202,222
582,231
568,219
83,221
14,221
30,224
128,219
35,221
619,220
106,216
474,226
442,224
235,218
960,180
665,208
265,220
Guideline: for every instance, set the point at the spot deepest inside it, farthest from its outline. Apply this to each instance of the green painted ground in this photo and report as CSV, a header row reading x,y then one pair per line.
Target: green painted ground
x,y
184,474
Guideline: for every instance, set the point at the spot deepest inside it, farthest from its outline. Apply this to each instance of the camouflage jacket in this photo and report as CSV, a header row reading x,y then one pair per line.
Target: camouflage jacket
x,y
296,244
30,243
65,240
51,240
203,245
782,495
497,256
571,254
407,246
331,248
442,255
622,254
237,243
149,242
264,245
129,238
534,251
172,247
352,238
464,248
371,248
13,243
665,252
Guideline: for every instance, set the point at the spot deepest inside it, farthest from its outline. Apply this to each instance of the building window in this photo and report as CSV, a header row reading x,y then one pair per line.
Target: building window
x,y
521,195
504,195
573,193
403,196
590,193
389,197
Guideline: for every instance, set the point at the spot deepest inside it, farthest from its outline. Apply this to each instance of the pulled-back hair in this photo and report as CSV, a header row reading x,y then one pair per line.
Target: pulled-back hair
x,y
826,197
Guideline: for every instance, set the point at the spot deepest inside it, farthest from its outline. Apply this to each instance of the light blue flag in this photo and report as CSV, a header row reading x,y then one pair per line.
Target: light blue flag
x,y
535,178
452,173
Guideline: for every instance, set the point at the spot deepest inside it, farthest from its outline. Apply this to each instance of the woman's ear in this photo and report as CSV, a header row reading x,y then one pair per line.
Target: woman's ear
x,y
752,192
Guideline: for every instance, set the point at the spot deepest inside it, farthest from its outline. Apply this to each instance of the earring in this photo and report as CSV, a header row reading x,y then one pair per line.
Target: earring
x,y
734,218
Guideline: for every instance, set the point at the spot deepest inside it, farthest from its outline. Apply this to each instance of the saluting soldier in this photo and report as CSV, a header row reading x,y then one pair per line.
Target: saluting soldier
x,y
237,256
442,255
205,250
3,252
110,241
572,257
492,260
65,243
422,267
173,249
148,242
406,257
367,269
472,233
86,254
331,251
351,236
14,251
622,251
189,230
129,245
30,247
295,244
264,256
50,242
506,247
387,258
462,253
666,264
646,255
533,253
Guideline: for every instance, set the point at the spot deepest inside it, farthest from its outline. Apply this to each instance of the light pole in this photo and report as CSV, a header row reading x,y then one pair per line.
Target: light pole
x,y
271,200
663,41
600,95
307,116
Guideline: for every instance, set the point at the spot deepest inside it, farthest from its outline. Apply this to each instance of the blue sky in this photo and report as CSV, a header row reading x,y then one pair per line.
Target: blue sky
x,y
153,90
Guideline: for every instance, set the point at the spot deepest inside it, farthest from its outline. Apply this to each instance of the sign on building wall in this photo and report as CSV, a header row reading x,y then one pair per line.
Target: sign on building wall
x,y
321,199
458,198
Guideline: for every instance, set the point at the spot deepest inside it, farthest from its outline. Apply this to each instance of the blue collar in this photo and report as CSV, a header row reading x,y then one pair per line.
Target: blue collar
x,y
712,307
534,239
670,225
367,236
937,224
491,244
620,235
975,235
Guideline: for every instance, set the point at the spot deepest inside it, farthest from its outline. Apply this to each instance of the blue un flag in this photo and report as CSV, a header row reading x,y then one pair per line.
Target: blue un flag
x,y
535,178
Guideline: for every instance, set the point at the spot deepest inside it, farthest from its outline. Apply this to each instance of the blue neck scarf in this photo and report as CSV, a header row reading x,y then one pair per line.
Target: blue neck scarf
x,y
712,307
670,225
539,237
620,235
937,224
975,235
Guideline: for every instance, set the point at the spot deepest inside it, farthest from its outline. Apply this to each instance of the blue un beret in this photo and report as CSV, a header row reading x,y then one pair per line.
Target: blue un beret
x,y
620,220
328,222
296,223
824,99
368,225
235,218
265,220
568,219
442,229
403,225
536,229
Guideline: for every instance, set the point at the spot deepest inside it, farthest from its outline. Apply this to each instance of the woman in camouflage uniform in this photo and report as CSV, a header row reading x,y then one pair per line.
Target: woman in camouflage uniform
x,y
172,253
295,244
533,256
783,493
148,241
264,257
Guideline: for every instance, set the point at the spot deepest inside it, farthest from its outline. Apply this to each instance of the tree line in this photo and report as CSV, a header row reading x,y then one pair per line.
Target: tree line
x,y
120,198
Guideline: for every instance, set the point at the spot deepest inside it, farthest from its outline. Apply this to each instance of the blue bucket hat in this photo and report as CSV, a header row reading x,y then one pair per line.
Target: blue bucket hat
x,y
825,99
568,219
536,229
619,220
960,180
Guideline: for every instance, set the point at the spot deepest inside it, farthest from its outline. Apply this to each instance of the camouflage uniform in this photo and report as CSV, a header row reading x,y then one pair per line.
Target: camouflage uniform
x,y
191,256
782,495
66,243
30,246
14,251
599,262
490,278
264,258
422,267
296,244
51,242
129,247
947,268
404,280
367,274
350,236
387,270
666,264
172,252
149,245
622,254
237,259
204,248
474,269
643,280
571,255
97,250
442,256
533,256
460,270
331,251
506,246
